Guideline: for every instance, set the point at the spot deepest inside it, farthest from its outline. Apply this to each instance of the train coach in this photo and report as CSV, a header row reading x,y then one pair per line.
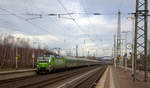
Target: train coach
x,y
48,63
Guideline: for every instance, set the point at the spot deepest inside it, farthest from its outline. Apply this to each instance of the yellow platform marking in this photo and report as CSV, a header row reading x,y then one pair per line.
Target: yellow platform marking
x,y
101,83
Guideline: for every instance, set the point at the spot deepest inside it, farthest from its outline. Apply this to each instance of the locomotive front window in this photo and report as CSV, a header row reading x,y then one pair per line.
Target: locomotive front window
x,y
43,59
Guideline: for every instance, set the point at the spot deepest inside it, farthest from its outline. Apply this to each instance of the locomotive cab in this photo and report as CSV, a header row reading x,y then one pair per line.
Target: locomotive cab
x,y
44,63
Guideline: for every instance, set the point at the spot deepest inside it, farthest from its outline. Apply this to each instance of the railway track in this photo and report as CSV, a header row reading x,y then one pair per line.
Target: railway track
x,y
86,80
43,80
91,81
52,80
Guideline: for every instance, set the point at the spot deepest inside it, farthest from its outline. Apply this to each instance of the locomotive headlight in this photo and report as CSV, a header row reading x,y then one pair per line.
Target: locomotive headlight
x,y
49,60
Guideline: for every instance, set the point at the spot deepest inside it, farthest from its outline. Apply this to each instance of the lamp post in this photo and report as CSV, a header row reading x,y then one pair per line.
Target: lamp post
x,y
126,32
33,55
132,54
17,55
122,61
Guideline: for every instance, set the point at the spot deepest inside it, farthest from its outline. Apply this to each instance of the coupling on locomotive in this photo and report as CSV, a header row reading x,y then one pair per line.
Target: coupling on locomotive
x,y
48,62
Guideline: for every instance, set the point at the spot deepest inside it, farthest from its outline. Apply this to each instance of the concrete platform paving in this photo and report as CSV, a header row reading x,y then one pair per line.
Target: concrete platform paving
x,y
119,78
5,75
16,71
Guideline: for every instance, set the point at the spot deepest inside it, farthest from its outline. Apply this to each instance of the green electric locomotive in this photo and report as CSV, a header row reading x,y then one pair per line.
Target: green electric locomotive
x,y
47,63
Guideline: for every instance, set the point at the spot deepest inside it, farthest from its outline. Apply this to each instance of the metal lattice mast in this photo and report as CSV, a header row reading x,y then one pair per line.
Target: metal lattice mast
x,y
114,60
114,46
141,33
119,36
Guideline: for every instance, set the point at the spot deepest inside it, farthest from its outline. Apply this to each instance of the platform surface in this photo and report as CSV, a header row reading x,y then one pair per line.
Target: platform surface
x,y
119,78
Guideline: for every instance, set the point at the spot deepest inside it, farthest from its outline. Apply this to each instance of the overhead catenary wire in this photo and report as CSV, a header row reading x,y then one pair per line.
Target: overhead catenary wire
x,y
89,21
24,19
60,27
73,19
57,25
78,24
15,29
69,14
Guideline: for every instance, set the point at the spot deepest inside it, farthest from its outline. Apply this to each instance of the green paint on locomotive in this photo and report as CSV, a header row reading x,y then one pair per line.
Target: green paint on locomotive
x,y
49,62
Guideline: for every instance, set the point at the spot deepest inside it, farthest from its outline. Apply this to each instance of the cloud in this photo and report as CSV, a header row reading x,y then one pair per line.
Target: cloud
x,y
44,40
62,32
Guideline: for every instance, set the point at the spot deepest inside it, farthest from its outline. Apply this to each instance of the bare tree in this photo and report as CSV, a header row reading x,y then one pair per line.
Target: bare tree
x,y
9,45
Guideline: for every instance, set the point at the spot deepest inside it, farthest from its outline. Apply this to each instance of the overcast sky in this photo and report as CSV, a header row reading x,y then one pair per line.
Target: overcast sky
x,y
90,32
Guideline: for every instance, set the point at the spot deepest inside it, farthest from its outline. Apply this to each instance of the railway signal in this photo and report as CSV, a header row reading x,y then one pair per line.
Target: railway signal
x,y
17,57
33,56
